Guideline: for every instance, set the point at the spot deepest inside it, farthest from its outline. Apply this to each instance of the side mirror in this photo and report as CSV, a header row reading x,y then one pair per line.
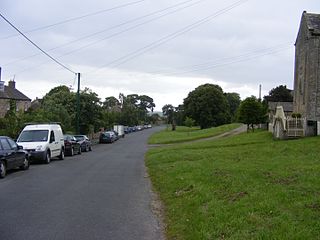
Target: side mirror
x,y
20,147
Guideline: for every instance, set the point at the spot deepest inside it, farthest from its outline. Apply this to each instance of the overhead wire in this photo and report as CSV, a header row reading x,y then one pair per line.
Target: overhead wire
x,y
209,64
35,45
116,26
75,18
233,60
140,51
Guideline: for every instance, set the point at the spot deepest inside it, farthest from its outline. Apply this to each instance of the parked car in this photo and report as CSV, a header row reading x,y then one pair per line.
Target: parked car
x,y
12,156
107,137
85,142
116,135
42,141
71,145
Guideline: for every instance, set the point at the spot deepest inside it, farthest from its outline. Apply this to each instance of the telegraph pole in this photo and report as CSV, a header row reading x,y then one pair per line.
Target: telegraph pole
x,y
78,105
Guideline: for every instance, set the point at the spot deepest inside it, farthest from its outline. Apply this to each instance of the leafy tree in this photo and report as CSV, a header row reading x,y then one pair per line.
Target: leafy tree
x,y
234,103
189,122
208,106
179,115
90,111
168,112
111,104
279,94
252,111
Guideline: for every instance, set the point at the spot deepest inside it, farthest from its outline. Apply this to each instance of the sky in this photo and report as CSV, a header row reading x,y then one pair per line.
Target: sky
x,y
163,49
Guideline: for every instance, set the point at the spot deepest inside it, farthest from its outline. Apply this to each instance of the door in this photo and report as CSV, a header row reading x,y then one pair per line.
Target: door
x,y
54,145
19,155
8,153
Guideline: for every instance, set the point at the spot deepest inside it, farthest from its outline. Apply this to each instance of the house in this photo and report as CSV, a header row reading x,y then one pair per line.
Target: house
x,y
10,95
306,100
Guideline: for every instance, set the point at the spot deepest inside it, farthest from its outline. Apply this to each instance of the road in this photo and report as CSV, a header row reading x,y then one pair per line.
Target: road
x,y
103,194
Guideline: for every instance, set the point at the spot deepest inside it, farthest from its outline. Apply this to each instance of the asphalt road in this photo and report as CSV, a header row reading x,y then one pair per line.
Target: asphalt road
x,y
103,194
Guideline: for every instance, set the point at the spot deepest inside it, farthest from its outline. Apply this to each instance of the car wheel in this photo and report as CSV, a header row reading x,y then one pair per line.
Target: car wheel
x,y
79,152
87,148
47,159
26,164
3,169
72,152
90,148
61,156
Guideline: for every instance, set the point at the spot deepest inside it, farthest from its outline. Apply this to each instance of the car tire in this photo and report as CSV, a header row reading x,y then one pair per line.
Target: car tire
x,y
47,159
26,164
61,156
90,148
79,152
3,169
72,152
87,148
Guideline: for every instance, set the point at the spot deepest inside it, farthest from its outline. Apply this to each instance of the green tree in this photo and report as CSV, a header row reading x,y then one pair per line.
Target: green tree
x,y
234,103
189,122
252,111
279,94
208,106
168,112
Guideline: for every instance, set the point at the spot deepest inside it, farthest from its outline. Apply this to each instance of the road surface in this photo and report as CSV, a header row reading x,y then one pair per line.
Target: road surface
x,y
103,194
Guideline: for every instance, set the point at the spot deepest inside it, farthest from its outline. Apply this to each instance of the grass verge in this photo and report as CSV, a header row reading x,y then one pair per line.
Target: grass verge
x,y
183,134
243,187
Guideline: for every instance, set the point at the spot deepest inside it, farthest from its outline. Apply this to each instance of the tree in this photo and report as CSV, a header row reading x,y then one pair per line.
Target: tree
x,y
208,106
234,103
279,94
111,104
251,111
168,112
189,122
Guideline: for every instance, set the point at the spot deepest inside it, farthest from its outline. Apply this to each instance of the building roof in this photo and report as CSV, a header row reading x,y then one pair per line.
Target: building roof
x,y
13,93
287,106
313,22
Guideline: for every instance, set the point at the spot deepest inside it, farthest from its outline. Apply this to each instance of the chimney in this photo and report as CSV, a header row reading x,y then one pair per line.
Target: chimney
x,y
12,84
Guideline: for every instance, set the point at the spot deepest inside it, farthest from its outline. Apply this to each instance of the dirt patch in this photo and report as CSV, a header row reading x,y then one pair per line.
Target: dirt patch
x,y
237,196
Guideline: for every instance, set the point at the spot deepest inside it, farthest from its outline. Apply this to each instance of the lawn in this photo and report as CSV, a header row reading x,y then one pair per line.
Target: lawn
x,y
183,134
243,187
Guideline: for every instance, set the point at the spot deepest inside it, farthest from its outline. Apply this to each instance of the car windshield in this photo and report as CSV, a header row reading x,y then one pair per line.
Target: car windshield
x,y
34,136
107,134
79,138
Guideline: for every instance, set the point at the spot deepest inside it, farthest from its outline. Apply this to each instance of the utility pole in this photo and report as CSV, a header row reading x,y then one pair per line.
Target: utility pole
x,y
78,105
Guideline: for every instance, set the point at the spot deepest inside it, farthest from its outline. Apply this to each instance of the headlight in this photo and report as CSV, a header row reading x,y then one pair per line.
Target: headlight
x,y
39,148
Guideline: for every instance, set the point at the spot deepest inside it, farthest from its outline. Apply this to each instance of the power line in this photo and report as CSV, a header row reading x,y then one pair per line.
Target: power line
x,y
233,60
34,44
116,26
217,62
169,37
76,18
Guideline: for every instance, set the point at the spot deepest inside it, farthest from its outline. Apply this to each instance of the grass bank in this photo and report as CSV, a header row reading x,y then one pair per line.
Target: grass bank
x,y
183,134
243,187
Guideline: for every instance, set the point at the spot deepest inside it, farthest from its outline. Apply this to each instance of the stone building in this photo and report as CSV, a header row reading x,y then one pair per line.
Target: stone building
x,y
10,95
307,72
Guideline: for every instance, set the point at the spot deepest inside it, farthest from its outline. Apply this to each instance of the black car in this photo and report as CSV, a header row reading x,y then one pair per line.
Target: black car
x,y
12,156
71,146
85,142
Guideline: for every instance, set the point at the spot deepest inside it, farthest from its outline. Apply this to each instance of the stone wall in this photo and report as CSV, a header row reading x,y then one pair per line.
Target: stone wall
x,y
307,74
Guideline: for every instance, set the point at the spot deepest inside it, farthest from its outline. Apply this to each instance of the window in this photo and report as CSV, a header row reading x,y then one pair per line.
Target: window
x,y
5,144
52,138
34,136
12,144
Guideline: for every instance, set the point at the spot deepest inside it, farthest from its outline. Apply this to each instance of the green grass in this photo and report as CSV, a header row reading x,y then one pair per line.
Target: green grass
x,y
183,134
243,187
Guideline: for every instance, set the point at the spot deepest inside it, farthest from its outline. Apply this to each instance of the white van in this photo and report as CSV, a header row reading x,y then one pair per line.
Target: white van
x,y
119,129
42,141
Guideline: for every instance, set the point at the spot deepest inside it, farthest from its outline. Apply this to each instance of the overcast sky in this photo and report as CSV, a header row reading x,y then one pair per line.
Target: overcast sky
x,y
163,49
